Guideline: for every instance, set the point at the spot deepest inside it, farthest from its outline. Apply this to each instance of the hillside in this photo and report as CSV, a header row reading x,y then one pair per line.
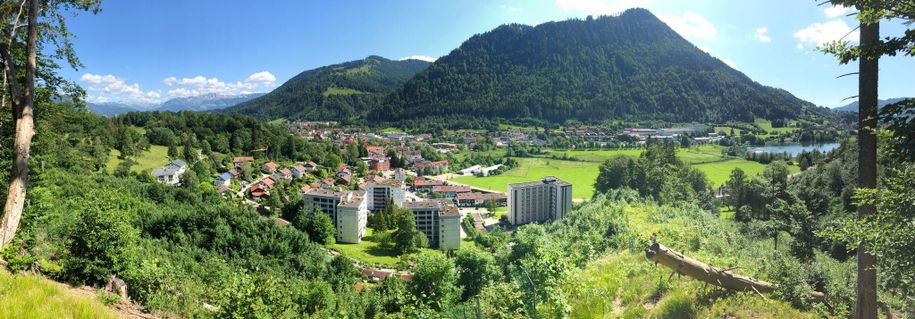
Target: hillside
x,y
631,66
336,92
206,102
853,106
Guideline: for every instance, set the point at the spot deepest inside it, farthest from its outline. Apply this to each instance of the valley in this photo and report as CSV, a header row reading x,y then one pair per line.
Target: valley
x,y
609,165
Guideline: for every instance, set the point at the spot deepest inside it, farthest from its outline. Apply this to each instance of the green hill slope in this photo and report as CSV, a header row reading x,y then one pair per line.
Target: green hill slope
x,y
631,66
337,92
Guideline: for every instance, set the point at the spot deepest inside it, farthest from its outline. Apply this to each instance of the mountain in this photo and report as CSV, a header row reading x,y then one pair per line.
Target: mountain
x,y
206,102
110,109
631,66
336,92
853,106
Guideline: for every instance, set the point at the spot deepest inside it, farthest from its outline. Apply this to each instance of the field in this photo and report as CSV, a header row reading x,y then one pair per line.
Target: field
x,y
340,91
583,172
727,130
29,296
155,157
767,126
580,174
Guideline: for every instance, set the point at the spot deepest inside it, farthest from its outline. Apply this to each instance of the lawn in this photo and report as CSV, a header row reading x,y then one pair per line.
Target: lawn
x,y
701,154
767,126
581,174
502,210
597,155
719,172
30,296
340,91
727,130
155,157
368,251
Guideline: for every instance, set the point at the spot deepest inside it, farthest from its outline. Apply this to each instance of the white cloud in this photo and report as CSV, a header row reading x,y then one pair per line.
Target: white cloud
x,y
730,63
600,7
835,11
510,9
200,85
761,34
419,57
691,26
818,34
109,88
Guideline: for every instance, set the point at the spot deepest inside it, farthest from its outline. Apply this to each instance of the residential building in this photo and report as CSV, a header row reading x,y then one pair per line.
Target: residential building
x,y
242,159
171,172
298,170
352,217
400,174
450,191
381,190
438,221
379,164
422,183
347,209
224,179
547,199
269,167
474,199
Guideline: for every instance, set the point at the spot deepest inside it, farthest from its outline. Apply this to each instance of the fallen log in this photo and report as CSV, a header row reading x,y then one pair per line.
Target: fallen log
x,y
723,278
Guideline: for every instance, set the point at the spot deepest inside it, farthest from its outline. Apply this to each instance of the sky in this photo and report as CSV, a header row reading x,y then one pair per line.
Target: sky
x,y
146,52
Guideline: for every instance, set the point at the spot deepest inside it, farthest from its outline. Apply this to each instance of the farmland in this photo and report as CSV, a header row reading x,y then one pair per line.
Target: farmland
x,y
155,157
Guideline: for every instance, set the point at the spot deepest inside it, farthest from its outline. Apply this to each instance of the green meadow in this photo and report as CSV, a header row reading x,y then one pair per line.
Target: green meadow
x,y
155,157
583,171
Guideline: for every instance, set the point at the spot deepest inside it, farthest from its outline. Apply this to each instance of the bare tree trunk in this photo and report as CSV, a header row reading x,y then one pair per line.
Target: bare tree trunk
x,y
25,130
701,271
866,303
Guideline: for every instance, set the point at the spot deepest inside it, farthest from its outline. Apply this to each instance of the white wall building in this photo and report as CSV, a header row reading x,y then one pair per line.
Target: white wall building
x,y
348,210
380,190
547,199
439,221
171,172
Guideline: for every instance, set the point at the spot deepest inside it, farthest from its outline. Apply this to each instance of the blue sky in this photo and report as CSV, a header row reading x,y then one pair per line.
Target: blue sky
x,y
149,51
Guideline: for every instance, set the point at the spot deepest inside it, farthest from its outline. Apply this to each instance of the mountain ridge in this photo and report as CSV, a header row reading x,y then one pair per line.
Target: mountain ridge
x,y
343,91
631,66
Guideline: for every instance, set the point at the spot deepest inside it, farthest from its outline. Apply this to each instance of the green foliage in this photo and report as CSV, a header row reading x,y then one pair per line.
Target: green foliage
x,y
476,269
630,66
345,91
99,241
433,280
405,236
316,224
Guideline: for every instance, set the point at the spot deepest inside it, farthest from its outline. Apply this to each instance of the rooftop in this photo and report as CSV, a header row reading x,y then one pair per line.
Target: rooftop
x,y
422,204
543,181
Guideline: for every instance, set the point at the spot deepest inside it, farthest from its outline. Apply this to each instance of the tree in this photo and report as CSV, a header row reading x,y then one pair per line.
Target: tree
x,y
476,269
433,280
405,235
99,242
99,153
868,53
736,188
314,222
22,91
172,150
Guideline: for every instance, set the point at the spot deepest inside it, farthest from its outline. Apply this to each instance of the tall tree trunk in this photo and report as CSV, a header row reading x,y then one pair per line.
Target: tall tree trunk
x,y
25,130
866,303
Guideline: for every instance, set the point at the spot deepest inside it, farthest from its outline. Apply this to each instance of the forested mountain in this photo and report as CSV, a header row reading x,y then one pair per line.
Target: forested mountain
x,y
630,66
207,102
336,92
853,106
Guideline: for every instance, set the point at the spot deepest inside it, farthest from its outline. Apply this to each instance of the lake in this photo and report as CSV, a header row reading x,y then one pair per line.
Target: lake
x,y
794,148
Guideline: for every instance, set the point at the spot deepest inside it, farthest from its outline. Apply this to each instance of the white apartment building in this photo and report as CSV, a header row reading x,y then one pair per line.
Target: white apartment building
x,y
380,190
439,221
347,209
547,199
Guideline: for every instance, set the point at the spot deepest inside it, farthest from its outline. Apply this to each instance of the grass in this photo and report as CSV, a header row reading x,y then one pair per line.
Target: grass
x,y
767,126
727,130
719,172
29,296
278,121
580,174
340,91
155,157
502,210
624,284
368,251
597,155
701,154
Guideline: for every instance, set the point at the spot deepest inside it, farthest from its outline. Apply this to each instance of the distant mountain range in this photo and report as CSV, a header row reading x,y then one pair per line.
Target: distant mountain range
x,y
344,91
853,106
201,103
